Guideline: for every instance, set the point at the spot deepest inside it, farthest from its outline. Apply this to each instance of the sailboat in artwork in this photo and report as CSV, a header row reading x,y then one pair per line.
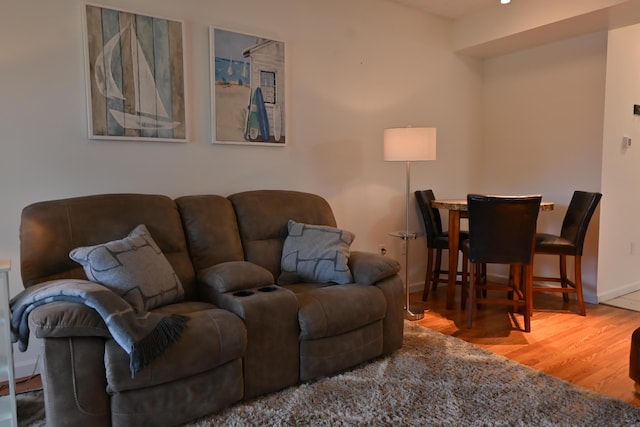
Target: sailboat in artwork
x,y
230,68
150,111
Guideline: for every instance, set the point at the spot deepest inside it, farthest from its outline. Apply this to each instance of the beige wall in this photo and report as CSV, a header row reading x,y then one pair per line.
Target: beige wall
x,y
543,122
354,68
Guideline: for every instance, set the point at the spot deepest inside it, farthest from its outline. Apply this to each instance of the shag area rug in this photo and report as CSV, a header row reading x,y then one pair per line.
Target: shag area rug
x,y
434,380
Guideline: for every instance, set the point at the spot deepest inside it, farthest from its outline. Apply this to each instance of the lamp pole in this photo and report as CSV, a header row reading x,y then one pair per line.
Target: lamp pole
x,y
415,312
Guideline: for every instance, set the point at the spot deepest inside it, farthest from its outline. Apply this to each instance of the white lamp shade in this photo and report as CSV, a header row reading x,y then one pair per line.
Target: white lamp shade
x,y
409,144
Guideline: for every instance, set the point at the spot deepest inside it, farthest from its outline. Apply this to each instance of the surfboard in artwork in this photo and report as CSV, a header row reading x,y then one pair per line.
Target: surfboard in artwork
x,y
258,123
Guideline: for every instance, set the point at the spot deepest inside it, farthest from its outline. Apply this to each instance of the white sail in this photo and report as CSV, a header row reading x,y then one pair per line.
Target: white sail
x,y
146,98
104,80
230,68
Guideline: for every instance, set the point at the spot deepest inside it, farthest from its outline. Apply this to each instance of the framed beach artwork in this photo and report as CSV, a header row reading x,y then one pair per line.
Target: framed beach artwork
x,y
247,89
135,76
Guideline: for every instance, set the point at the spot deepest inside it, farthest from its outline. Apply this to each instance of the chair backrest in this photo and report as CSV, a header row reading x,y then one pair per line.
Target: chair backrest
x,y
430,216
502,229
576,221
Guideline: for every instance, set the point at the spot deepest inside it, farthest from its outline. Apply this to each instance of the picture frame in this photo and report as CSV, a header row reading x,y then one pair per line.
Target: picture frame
x,y
135,76
247,76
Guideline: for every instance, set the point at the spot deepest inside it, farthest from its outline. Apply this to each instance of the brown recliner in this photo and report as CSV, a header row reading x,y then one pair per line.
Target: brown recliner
x,y
85,374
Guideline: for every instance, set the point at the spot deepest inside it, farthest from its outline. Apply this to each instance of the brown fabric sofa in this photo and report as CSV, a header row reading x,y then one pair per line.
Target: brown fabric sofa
x,y
247,335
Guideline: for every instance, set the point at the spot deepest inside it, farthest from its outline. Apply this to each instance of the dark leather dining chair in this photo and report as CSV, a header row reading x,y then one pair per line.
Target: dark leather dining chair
x,y
501,231
437,241
569,243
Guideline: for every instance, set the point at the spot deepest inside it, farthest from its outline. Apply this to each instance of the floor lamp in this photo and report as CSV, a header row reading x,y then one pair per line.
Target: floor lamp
x,y
409,145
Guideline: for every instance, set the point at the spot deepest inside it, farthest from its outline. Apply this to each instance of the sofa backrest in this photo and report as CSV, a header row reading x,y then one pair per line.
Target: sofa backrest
x,y
50,229
263,215
211,230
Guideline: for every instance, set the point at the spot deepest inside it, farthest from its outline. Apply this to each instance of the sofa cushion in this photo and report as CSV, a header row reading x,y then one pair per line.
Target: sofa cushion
x,y
235,276
369,268
61,319
133,267
328,310
211,229
212,338
316,253
49,230
263,216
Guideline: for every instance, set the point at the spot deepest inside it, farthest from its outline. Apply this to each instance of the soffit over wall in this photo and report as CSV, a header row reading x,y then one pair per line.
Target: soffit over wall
x,y
484,28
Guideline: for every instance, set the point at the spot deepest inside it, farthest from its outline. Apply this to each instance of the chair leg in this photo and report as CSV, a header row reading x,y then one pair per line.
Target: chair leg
x,y
578,283
515,282
563,276
428,275
528,295
436,270
483,278
471,296
464,281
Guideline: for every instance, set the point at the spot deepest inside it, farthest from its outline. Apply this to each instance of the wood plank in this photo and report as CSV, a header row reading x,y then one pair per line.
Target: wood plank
x,y
590,351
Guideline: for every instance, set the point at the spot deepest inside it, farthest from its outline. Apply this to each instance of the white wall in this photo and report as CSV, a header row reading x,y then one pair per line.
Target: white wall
x,y
543,118
619,269
354,68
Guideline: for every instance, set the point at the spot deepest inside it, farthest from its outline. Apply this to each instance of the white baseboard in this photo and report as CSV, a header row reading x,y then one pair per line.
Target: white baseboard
x,y
614,293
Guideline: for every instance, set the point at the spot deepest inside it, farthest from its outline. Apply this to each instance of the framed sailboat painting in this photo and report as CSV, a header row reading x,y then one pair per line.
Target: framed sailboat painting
x,y
247,89
135,76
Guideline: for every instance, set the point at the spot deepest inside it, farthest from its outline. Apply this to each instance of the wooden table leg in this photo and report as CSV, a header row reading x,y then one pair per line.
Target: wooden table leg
x,y
454,244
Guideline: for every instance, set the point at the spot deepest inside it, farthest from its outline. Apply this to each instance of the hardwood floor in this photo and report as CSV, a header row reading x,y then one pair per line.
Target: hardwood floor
x,y
590,351
22,385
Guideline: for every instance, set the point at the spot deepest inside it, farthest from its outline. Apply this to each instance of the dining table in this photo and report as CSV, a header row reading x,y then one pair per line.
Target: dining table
x,y
459,209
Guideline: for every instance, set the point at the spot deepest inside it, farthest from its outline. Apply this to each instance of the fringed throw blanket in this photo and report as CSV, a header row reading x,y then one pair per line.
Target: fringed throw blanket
x,y
143,335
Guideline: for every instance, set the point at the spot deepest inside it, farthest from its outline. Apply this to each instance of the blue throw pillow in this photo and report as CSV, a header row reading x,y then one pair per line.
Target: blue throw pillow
x,y
316,253
134,267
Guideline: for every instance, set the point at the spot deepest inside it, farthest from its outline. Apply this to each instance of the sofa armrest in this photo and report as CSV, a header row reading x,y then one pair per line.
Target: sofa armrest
x,y
235,276
368,268
66,319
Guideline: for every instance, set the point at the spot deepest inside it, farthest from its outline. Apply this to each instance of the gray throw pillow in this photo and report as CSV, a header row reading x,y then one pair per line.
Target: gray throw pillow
x,y
133,267
316,253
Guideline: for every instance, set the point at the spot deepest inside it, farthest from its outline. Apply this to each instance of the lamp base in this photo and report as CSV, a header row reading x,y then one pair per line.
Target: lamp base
x,y
414,312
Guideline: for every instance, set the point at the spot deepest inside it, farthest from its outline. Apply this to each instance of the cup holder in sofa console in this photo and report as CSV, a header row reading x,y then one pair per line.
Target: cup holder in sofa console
x,y
268,289
242,293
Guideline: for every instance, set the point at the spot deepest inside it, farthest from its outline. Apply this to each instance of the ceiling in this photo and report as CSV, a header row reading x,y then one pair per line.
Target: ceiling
x,y
451,8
